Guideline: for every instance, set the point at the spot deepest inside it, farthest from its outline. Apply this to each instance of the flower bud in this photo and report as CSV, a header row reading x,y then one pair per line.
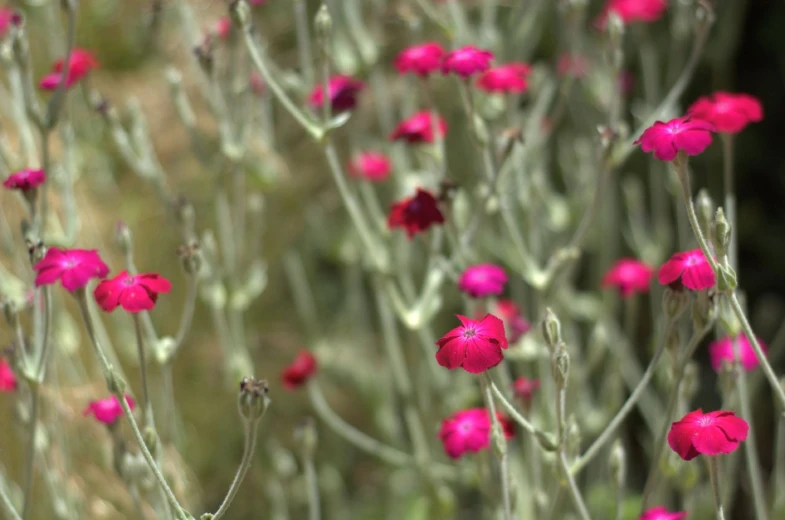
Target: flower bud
x,y
323,26
546,441
705,209
673,342
726,278
551,329
674,302
252,400
115,383
190,257
617,462
240,13
122,236
151,440
691,381
560,367
307,436
722,233
703,311
615,28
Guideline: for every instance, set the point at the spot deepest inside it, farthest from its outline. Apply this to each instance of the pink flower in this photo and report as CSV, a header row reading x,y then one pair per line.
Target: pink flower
x,y
467,61
415,214
508,79
683,133
707,434
482,280
514,322
372,166
8,381
8,17
108,410
689,268
25,180
524,388
420,59
631,11
257,84
721,351
729,113
223,27
80,64
630,276
470,431
299,371
134,293
576,66
73,267
475,345
342,91
419,128
660,513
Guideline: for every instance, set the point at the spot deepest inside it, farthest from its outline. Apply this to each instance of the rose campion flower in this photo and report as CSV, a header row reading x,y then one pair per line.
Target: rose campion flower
x,y
371,166
299,371
687,134
524,388
729,113
630,276
342,91
709,434
415,214
80,64
421,59
482,280
514,322
505,79
419,128
223,27
689,268
467,61
7,18
721,351
73,267
134,293
108,410
631,11
469,431
25,180
475,346
8,382
660,513
576,66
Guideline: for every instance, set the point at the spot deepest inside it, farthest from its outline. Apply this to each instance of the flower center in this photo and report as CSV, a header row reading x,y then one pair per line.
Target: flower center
x,y
129,281
705,421
469,332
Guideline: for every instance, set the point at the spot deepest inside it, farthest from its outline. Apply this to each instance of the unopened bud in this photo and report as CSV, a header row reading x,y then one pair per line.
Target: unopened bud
x,y
546,441
674,302
323,26
115,383
122,236
307,436
722,233
673,342
726,278
551,329
252,400
704,310
691,381
560,367
615,28
705,209
151,440
617,461
190,257
240,13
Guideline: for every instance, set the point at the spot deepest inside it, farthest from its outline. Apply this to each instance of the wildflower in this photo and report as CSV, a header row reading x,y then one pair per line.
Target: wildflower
x,y
134,293
514,322
707,434
419,128
7,18
482,280
372,166
257,84
721,351
576,65
689,268
507,79
467,61
470,431
8,381
660,513
729,113
80,64
524,388
415,214
73,267
342,91
475,345
687,134
223,27
25,180
420,59
631,11
108,410
630,276
299,371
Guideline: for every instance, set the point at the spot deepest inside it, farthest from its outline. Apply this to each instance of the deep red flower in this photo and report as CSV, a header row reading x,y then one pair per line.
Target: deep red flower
x,y
342,91
419,128
372,166
420,59
721,351
507,79
134,293
108,410
25,180
630,276
729,113
687,134
8,381
482,280
299,371
660,513
576,66
514,322
691,268
415,214
73,267
524,388
80,64
470,431
467,61
710,434
631,11
475,345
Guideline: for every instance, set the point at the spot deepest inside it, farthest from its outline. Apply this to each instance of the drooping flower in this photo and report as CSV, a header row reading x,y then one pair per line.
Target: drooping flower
x,y
691,268
482,280
630,276
730,113
299,371
419,128
108,410
470,431
8,381
687,134
422,59
415,214
80,64
576,65
134,293
514,322
660,513
524,388
342,91
467,61
73,267
631,11
372,166
721,351
710,434
475,346
25,180
505,79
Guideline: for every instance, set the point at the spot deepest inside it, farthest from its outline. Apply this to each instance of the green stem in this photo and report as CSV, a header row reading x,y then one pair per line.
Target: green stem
x,y
245,463
5,500
312,488
517,417
730,196
714,474
147,405
750,446
188,311
577,499
500,446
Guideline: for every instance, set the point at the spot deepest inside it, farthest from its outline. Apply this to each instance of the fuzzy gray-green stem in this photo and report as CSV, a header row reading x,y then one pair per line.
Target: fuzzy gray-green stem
x,y
730,196
251,429
147,404
714,475
5,500
312,485
575,492
498,441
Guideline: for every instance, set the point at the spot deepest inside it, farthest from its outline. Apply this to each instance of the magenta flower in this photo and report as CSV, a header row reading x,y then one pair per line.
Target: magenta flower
x,y
630,276
342,91
631,11
421,59
729,113
371,166
415,214
710,434
721,351
576,66
475,345
482,280
73,267
524,388
686,134
8,382
223,27
514,322
108,410
470,431
80,64
467,61
690,269
134,293
25,180
419,128
660,513
8,17
505,79
299,371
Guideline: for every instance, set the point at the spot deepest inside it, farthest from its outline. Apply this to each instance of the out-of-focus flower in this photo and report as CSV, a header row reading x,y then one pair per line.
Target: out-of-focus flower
x,y
257,84
469,431
415,214
223,27
73,267
524,388
631,11
8,381
710,434
691,268
342,91
134,293
108,410
506,79
576,65
687,134
475,346
721,351
372,166
25,180
514,322
630,276
729,113
419,128
80,64
299,371
7,18
467,61
482,280
660,513
626,81
422,59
